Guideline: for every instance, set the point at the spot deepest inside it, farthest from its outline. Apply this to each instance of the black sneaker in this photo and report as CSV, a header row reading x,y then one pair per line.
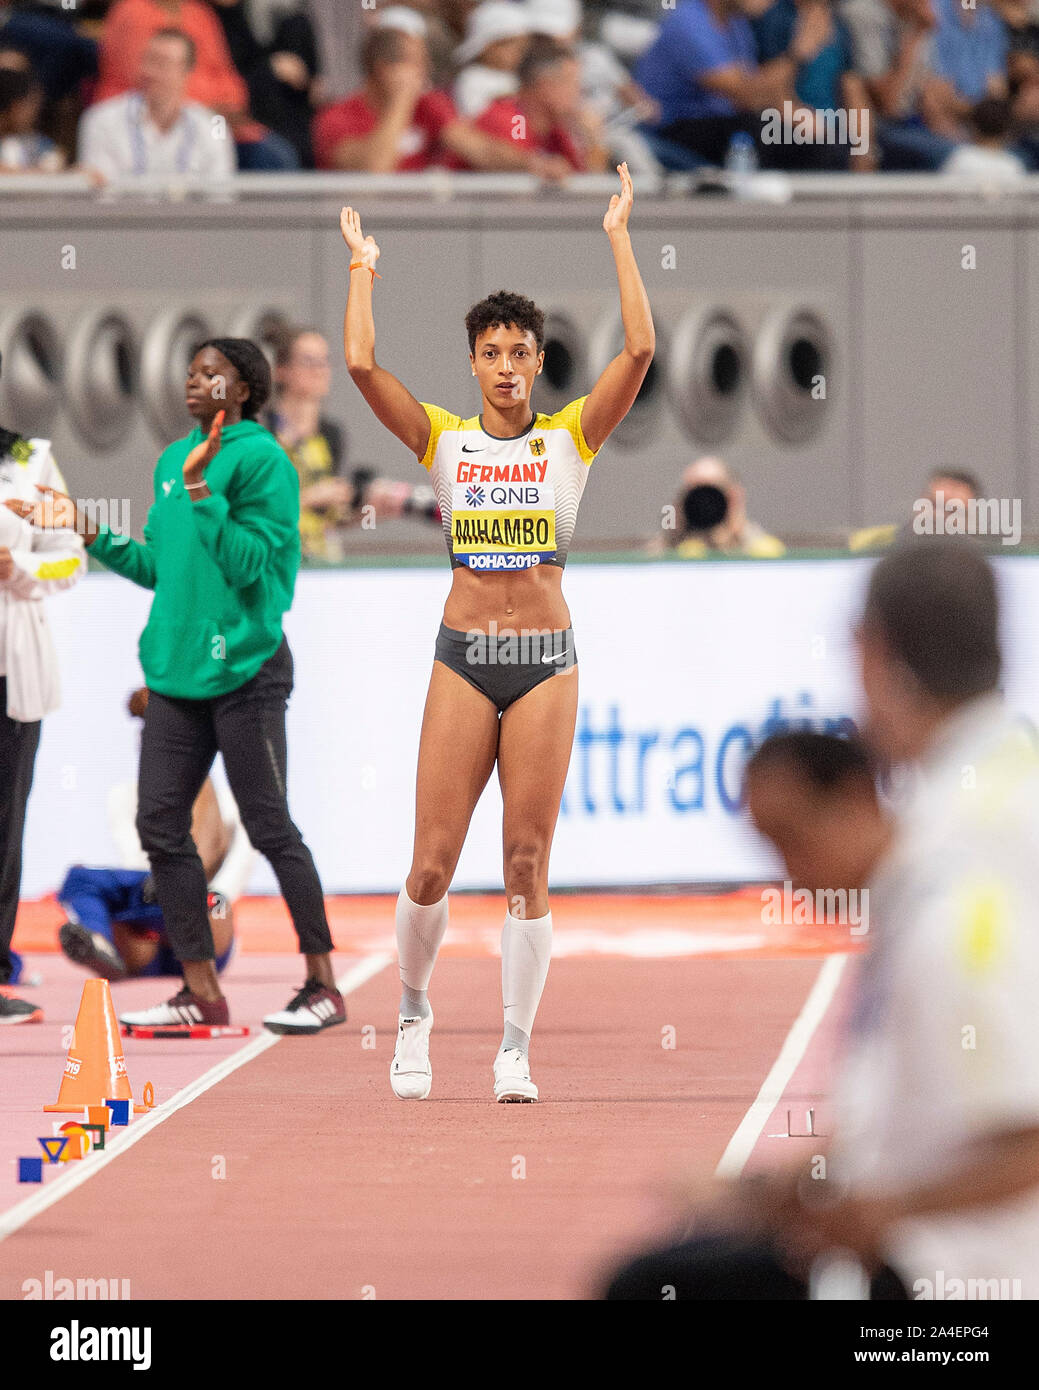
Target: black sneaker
x,y
313,1008
15,1010
91,950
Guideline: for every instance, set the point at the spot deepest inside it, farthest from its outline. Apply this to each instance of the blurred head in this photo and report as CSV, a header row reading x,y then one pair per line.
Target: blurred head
x,y
751,9
953,485
814,796
919,11
386,51
550,75
928,641
405,18
992,119
229,374
20,101
302,366
496,35
166,65
506,346
14,59
557,19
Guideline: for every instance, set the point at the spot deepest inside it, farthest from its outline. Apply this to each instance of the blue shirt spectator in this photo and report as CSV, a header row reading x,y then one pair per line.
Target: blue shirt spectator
x,y
692,42
970,49
818,82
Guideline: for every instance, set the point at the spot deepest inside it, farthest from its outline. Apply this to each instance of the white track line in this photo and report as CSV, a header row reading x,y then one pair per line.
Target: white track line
x,y
740,1146
77,1174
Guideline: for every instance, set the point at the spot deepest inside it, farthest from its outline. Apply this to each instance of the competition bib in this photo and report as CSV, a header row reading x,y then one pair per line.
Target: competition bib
x,y
503,526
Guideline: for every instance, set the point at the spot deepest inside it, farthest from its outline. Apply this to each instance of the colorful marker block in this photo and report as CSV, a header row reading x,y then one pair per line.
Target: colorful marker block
x,y
79,1141
120,1111
53,1146
30,1170
97,1135
97,1115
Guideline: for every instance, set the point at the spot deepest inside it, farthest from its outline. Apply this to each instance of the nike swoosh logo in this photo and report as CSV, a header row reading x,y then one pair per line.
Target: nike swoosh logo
x,y
467,450
561,657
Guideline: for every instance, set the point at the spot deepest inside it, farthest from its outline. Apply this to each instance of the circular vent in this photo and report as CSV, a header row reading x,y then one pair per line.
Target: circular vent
x,y
707,376
100,378
562,376
32,369
263,326
168,347
793,364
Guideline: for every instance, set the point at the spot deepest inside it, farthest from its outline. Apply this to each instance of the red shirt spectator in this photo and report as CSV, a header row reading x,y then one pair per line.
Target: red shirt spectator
x,y
506,119
214,80
420,144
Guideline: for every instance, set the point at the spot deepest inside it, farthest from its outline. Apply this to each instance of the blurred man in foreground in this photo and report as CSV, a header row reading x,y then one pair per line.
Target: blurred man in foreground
x,y
932,1177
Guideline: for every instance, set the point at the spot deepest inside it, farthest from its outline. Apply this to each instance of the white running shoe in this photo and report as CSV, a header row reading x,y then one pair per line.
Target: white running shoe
x,y
411,1076
512,1076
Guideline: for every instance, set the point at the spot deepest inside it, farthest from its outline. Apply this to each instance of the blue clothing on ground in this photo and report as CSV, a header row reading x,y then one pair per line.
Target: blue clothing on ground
x,y
690,43
818,83
968,54
97,898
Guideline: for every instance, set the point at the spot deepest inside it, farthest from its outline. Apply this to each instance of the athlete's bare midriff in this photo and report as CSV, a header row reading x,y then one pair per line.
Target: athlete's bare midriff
x,y
531,599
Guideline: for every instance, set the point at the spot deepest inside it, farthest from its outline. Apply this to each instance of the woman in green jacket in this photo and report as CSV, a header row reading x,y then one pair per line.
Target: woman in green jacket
x,y
221,551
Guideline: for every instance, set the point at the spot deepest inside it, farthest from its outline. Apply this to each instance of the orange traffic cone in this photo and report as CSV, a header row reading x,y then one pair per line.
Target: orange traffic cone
x,y
95,1068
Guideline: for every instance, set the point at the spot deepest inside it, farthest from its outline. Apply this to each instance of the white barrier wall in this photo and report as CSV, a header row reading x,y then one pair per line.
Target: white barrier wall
x,y
683,666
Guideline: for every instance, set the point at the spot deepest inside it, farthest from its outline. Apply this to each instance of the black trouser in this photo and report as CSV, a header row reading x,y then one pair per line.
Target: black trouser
x,y
181,739
723,1268
18,745
709,137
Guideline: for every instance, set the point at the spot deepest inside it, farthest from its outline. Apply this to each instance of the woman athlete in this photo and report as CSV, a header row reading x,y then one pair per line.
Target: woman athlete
x,y
504,681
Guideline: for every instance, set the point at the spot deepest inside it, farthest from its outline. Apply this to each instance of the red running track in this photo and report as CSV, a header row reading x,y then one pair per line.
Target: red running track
x,y
335,1189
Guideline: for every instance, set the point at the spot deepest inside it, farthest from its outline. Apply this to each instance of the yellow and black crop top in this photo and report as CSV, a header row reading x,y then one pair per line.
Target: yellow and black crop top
x,y
508,504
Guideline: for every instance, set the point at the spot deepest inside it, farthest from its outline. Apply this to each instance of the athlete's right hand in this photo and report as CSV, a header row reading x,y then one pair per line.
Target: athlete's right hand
x,y
363,248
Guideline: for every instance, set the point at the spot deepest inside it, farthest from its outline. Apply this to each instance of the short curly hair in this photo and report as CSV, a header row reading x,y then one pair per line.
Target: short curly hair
x,y
250,362
499,310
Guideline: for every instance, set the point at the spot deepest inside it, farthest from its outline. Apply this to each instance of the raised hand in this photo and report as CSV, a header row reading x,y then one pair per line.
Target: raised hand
x,y
202,455
617,214
362,248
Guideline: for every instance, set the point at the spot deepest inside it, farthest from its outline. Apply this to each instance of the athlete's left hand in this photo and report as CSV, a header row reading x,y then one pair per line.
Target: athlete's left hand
x,y
202,455
617,214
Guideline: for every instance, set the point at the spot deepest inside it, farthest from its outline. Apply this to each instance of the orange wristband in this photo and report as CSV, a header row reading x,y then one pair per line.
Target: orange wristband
x,y
363,265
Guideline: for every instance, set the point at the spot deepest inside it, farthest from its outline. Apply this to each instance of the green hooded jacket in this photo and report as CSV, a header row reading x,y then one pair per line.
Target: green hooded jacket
x,y
223,569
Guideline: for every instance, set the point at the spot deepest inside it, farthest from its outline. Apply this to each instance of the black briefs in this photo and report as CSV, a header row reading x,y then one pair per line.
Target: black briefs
x,y
506,665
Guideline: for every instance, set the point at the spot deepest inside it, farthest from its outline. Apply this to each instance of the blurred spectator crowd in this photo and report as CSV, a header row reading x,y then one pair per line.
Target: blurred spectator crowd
x,y
204,88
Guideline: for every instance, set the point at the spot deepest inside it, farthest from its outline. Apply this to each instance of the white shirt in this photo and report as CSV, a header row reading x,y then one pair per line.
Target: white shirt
x,y
119,139
976,162
44,562
943,1044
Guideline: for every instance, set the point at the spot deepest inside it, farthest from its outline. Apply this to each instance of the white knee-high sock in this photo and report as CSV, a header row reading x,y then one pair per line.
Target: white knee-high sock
x,y
526,950
420,930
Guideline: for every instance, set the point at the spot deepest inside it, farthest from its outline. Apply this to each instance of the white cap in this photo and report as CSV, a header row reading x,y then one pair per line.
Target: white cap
x,y
557,18
401,17
490,22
